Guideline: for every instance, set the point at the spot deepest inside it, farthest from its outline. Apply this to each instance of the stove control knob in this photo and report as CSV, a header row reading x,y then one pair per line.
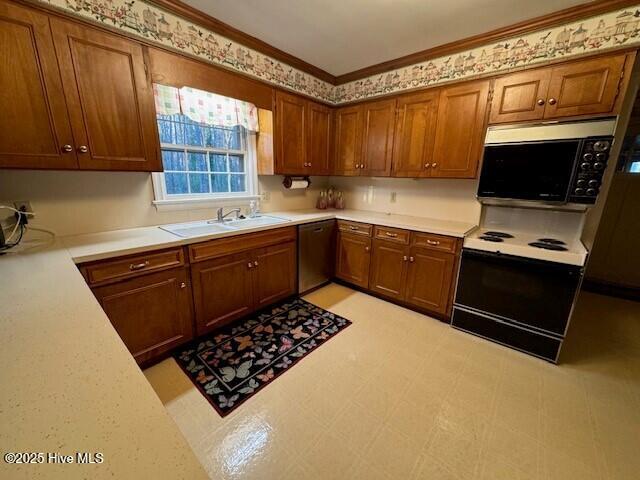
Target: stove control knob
x,y
591,192
598,166
581,182
601,157
585,166
587,157
601,146
593,183
579,191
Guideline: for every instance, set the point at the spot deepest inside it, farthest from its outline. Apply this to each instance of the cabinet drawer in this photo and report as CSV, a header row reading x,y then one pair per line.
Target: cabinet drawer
x,y
238,243
435,242
355,227
107,271
392,234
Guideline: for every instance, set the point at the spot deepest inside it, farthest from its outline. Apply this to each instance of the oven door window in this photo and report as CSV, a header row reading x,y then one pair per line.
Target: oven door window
x,y
528,171
531,292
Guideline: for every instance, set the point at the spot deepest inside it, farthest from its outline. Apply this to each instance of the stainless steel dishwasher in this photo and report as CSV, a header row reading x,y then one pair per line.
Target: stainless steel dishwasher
x,y
315,254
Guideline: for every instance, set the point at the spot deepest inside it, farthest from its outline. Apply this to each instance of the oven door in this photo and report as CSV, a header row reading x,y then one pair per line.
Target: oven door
x,y
530,292
528,170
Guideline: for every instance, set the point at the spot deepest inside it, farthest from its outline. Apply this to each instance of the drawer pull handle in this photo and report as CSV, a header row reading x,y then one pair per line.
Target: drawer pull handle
x,y
433,242
351,227
392,235
139,266
183,285
411,259
319,230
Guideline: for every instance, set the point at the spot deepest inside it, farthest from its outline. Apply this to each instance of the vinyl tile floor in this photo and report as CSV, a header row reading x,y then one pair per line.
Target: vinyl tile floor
x,y
399,395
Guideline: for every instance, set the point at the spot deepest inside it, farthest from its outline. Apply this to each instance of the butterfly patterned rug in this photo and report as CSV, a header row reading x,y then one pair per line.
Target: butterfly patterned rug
x,y
231,364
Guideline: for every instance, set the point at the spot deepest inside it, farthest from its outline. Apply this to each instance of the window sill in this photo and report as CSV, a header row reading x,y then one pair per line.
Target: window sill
x,y
172,205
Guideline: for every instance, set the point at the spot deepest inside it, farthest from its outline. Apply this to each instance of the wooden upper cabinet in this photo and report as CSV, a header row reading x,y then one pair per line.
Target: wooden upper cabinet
x,y
460,130
319,131
110,99
415,134
290,129
348,140
35,131
585,88
377,137
520,97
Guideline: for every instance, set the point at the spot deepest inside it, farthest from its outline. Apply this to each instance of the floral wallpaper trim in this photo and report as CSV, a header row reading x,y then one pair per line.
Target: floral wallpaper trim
x,y
617,29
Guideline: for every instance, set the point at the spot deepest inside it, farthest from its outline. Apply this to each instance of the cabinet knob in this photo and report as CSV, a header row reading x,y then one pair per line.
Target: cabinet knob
x,y
256,263
552,101
405,258
427,165
366,249
67,148
357,165
411,259
434,165
250,265
540,101
183,285
83,149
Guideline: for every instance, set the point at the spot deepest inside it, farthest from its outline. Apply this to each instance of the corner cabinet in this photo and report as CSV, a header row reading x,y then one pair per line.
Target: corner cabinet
x,y
75,97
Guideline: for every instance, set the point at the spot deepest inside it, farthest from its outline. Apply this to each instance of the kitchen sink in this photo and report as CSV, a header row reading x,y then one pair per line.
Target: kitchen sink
x,y
209,227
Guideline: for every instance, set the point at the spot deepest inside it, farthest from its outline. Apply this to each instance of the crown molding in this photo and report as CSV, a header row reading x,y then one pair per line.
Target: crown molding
x,y
527,26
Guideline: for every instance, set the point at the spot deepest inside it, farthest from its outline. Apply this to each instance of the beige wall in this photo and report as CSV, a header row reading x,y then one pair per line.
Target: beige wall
x,y
83,202
429,197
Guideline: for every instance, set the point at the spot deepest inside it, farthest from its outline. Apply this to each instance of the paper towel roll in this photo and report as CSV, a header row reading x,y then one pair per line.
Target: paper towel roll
x,y
295,183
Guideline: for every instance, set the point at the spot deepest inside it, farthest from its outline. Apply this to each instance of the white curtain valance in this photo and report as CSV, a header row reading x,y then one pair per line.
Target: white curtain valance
x,y
205,107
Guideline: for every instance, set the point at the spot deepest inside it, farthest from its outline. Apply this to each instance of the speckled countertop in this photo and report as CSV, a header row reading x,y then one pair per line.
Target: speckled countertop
x,y
68,382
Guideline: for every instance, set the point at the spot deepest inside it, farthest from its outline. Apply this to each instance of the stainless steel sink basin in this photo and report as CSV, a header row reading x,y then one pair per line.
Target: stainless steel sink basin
x,y
208,227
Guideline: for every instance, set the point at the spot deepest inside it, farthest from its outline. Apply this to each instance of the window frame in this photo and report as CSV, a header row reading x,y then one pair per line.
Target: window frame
x,y
164,201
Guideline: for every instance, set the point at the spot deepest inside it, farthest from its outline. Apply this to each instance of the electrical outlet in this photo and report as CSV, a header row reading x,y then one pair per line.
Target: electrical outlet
x,y
25,206
393,197
266,196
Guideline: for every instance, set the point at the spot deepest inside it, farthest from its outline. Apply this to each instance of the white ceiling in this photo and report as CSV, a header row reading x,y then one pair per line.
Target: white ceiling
x,y
341,36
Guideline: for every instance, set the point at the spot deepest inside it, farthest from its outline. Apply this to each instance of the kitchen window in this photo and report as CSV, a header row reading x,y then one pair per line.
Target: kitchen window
x,y
207,145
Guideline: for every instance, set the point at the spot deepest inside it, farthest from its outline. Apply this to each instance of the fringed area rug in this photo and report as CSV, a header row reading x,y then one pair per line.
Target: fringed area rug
x,y
231,364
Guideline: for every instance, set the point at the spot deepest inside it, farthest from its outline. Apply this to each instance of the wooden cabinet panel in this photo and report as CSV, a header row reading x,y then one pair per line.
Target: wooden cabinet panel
x,y
318,139
435,242
388,268
397,235
520,97
415,134
222,290
377,140
460,130
584,88
348,141
290,129
355,227
34,124
110,99
274,273
152,314
353,255
429,279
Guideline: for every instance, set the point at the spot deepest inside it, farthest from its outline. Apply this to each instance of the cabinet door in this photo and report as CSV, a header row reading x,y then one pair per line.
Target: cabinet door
x,y
222,290
460,130
318,139
348,141
290,129
520,97
110,99
274,273
388,268
152,314
377,139
415,134
353,256
585,88
34,123
429,279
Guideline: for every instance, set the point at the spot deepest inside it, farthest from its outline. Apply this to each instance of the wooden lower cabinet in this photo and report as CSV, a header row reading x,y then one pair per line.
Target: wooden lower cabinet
x,y
151,313
353,256
429,279
388,269
231,286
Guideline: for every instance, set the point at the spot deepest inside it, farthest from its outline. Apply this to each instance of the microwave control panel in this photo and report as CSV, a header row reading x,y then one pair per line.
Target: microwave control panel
x,y
590,167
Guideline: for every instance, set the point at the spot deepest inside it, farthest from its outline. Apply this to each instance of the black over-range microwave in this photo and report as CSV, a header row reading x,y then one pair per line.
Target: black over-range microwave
x,y
554,163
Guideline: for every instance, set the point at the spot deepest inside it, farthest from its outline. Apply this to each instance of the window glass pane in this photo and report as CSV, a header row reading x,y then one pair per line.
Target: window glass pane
x,y
218,163
172,160
235,141
220,183
197,162
237,183
193,133
236,163
635,167
171,129
176,183
217,138
199,183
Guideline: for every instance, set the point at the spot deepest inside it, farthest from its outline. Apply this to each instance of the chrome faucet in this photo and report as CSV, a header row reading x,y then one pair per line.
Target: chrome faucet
x,y
221,217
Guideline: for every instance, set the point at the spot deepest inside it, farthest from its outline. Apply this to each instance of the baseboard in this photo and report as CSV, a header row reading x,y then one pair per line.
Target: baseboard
x,y
613,290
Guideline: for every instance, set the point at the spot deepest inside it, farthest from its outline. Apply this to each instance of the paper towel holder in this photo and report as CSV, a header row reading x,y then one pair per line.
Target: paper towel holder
x,y
287,181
